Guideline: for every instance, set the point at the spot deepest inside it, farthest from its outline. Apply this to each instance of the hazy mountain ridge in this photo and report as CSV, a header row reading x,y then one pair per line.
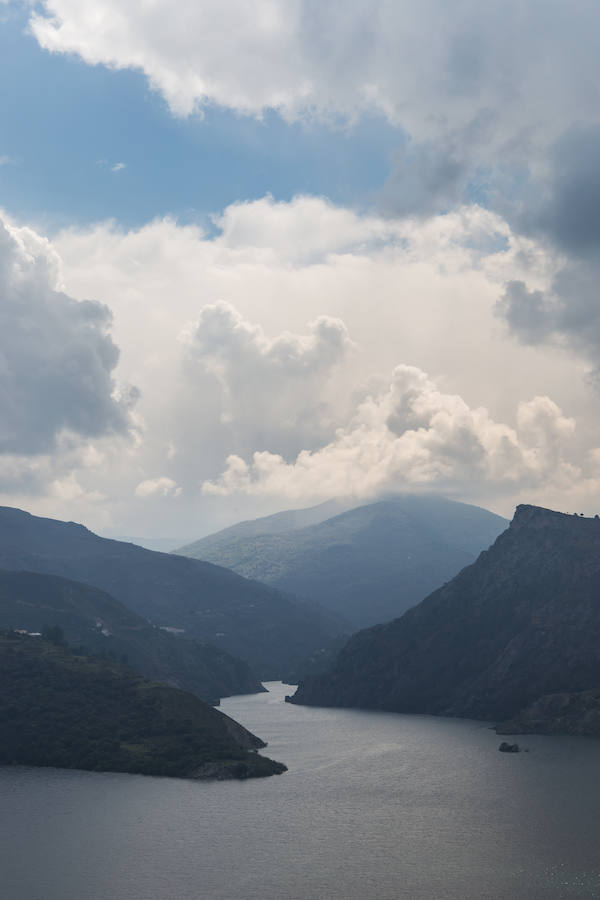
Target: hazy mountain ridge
x,y
60,709
93,619
367,564
522,622
276,523
252,621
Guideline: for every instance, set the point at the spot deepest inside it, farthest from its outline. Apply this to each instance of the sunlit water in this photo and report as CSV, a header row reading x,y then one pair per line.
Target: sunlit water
x,y
375,806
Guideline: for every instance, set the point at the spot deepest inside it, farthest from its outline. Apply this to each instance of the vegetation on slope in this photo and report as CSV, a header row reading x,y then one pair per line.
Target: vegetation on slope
x,y
520,623
61,709
92,619
368,564
214,605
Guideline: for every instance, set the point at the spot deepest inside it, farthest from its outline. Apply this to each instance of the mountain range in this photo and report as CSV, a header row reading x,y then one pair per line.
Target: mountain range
x,y
196,599
367,564
91,619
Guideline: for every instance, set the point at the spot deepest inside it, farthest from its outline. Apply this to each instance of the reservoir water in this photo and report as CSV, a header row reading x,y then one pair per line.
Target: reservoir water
x,y
375,806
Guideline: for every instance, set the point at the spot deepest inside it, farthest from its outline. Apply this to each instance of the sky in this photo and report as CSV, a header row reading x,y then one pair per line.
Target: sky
x,y
254,256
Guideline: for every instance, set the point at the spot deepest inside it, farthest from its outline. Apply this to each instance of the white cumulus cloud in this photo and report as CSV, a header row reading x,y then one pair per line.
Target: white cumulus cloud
x,y
162,486
412,435
499,71
269,390
242,346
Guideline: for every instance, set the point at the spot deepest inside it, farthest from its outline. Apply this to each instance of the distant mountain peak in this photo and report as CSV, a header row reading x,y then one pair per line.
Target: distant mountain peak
x,y
367,563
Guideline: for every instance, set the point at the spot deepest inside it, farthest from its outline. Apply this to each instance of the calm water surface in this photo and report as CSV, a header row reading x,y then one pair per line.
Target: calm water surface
x,y
375,806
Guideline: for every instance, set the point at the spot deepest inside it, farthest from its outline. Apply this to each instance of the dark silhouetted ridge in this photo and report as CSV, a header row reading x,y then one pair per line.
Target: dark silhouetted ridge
x,y
252,621
520,623
65,710
92,619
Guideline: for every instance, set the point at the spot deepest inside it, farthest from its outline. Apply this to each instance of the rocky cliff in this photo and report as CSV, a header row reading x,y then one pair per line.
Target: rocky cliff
x,y
577,714
522,622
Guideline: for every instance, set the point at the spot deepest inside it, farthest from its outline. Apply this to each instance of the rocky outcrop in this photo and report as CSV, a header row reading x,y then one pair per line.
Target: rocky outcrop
x,y
523,621
564,713
225,771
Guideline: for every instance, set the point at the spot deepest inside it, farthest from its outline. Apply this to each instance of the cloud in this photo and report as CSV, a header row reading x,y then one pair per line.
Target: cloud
x,y
412,436
163,486
432,176
567,314
233,348
566,206
304,230
272,390
524,68
111,166
213,329
56,353
493,102
563,207
406,289
528,314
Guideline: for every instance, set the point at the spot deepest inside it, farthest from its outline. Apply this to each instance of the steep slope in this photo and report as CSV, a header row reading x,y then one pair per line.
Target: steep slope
x,y
575,713
368,564
521,622
92,619
212,604
58,709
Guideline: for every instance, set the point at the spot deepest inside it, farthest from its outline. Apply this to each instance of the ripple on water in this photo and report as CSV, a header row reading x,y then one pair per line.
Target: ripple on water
x,y
375,806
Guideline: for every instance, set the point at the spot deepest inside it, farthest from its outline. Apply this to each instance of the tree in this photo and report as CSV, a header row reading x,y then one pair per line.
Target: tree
x,y
54,634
